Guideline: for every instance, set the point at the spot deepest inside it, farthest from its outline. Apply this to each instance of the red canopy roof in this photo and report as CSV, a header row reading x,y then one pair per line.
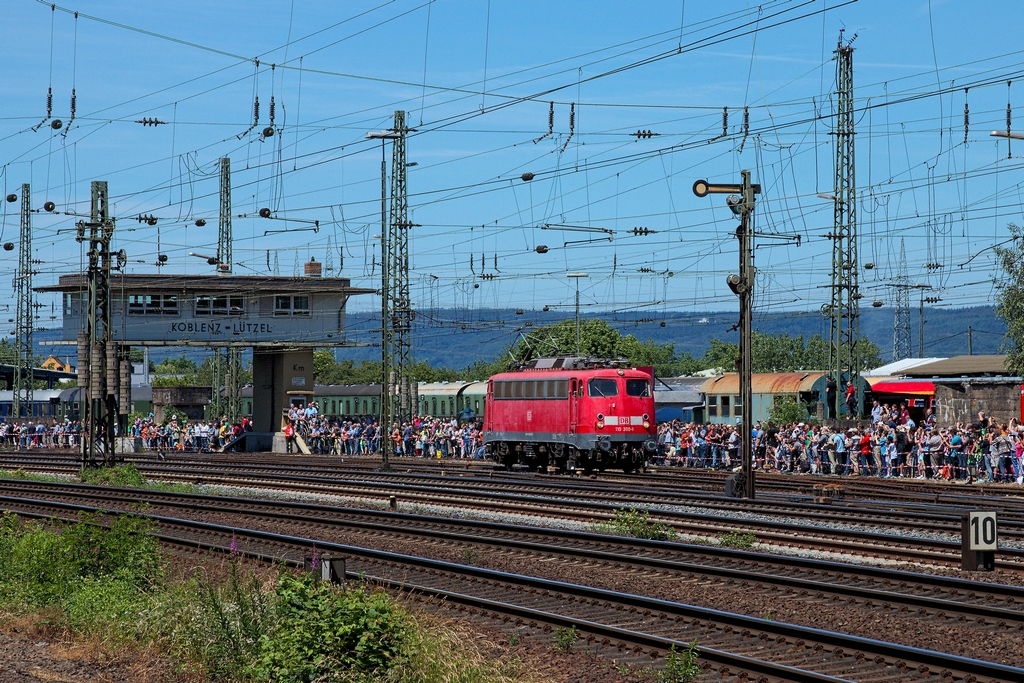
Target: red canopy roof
x,y
905,387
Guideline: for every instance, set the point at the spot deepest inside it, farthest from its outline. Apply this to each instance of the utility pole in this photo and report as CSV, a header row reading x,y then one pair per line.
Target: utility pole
x,y
843,312
743,286
970,340
576,277
97,353
901,317
25,320
398,270
384,414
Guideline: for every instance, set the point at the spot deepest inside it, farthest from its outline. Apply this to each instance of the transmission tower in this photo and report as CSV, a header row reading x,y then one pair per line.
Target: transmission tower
x,y
224,229
100,368
25,320
844,356
400,305
901,318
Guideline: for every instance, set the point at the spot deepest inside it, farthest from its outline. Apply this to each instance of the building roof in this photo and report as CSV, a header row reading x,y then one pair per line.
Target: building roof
x,y
962,366
897,368
763,383
256,284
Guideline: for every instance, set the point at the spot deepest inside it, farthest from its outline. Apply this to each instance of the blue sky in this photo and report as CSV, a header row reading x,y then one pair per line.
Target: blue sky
x,y
338,70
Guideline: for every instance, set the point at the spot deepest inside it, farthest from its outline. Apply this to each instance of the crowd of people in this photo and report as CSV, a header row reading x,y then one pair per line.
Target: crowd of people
x,y
424,437
64,434
894,445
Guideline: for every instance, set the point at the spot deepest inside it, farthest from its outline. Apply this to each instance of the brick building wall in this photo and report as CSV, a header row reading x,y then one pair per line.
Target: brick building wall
x,y
960,402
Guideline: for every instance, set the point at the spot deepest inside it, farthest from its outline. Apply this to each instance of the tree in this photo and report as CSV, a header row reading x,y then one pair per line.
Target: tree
x,y
1010,299
783,353
786,410
599,339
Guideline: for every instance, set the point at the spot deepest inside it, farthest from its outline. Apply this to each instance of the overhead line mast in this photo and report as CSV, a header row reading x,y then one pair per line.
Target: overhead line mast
x,y
400,303
25,320
844,310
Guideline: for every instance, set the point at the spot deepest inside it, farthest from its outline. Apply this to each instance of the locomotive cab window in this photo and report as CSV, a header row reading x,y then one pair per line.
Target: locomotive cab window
x,y
603,387
638,387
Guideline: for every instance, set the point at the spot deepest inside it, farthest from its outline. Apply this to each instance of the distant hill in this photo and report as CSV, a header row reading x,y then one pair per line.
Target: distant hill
x,y
456,338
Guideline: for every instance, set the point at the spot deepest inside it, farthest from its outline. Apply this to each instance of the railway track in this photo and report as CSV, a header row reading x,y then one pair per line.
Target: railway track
x,y
928,596
632,628
583,502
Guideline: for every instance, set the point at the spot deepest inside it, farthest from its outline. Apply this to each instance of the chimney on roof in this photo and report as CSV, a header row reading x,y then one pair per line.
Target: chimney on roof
x,y
313,268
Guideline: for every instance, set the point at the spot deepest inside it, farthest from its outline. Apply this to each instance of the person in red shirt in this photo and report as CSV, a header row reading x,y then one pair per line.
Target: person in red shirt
x,y
867,458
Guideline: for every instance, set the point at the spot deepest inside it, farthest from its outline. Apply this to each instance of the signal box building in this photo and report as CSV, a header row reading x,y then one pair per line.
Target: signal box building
x,y
281,318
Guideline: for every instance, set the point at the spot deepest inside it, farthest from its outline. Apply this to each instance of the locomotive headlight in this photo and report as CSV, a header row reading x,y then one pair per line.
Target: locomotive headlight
x,y
600,421
647,425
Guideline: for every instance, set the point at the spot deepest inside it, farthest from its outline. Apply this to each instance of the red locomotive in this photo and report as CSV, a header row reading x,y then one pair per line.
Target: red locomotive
x,y
571,413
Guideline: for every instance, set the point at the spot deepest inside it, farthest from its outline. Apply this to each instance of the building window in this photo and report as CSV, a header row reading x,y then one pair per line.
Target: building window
x,y
221,304
291,305
67,304
153,304
348,407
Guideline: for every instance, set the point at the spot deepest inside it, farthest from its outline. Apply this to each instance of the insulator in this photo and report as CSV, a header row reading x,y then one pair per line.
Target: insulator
x,y
151,220
268,132
271,110
725,121
49,102
541,249
74,103
83,360
967,117
111,370
527,177
161,258
8,246
256,110
264,212
551,118
12,197
200,222
96,373
56,124
572,117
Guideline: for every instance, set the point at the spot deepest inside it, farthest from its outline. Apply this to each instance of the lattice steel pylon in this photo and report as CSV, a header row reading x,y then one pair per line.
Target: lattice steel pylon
x,y
25,320
844,311
230,372
901,317
98,359
224,237
400,304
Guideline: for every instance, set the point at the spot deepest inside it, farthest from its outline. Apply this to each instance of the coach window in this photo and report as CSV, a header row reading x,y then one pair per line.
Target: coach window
x,y
638,387
529,389
602,388
476,405
737,404
724,403
442,407
451,406
712,406
433,401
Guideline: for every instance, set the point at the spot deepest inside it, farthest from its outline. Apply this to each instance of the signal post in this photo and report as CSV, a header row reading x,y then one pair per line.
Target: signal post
x,y
741,202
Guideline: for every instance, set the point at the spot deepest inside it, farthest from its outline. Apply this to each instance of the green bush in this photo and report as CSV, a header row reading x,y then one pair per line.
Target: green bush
x,y
122,475
738,539
42,568
321,630
637,523
681,667
566,637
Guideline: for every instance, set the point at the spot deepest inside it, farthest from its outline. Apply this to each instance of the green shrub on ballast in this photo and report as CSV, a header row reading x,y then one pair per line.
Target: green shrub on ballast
x,y
636,522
